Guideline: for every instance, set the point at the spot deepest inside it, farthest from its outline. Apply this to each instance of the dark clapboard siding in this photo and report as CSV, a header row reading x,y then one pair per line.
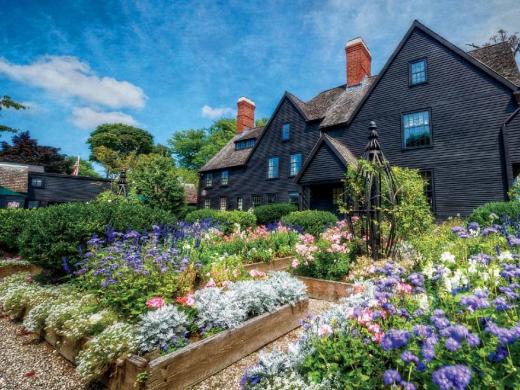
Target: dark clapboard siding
x,y
513,139
324,167
244,182
62,188
467,111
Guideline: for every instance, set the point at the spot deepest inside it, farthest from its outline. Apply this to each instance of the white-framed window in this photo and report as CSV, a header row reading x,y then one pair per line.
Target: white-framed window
x,y
224,178
417,129
245,144
36,182
295,164
286,131
256,199
294,197
273,168
207,203
223,203
417,71
240,203
209,179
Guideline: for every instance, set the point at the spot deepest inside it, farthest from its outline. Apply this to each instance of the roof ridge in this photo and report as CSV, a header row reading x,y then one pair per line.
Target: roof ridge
x,y
489,45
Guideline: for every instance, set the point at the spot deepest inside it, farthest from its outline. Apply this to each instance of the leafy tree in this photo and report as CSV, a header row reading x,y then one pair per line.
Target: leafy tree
x,y
85,167
116,145
218,135
188,175
25,150
154,179
261,122
502,36
185,145
7,102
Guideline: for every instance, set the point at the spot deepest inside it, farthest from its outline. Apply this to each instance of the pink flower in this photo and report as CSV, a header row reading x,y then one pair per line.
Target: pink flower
x,y
378,337
211,283
308,239
295,263
324,330
254,273
404,288
226,283
155,303
365,317
359,288
374,328
187,300
355,218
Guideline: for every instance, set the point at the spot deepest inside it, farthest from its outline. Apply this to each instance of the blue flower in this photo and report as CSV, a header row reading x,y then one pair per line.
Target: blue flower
x,y
498,355
455,377
451,344
394,339
391,377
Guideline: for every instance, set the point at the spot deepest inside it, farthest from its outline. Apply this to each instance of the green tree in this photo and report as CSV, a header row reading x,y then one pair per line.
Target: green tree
x,y
7,102
116,145
261,122
85,167
154,179
185,145
218,135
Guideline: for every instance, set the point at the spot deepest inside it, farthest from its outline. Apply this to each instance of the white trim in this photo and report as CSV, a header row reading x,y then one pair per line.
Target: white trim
x,y
356,41
244,99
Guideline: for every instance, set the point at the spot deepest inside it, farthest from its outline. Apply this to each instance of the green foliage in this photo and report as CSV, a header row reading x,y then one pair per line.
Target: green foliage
x,y
192,148
514,191
227,220
312,221
493,212
85,167
13,222
55,232
325,265
273,212
7,102
154,179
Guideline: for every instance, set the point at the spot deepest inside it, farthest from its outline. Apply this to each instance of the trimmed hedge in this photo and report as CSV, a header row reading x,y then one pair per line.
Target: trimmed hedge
x,y
55,232
273,212
311,221
225,219
484,214
12,222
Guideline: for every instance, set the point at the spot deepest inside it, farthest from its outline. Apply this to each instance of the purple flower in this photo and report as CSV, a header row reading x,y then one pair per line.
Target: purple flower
x,y
428,352
498,355
394,339
416,279
481,258
473,340
409,357
451,344
423,330
501,304
455,377
407,385
391,377
475,302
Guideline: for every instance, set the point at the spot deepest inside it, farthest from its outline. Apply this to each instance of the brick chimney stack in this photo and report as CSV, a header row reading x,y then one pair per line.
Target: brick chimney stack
x,y
359,61
245,114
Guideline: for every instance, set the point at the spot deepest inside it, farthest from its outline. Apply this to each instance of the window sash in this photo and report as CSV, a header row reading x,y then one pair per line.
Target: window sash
x,y
296,164
417,129
224,179
209,180
294,197
418,72
240,203
223,203
207,203
273,169
286,132
256,200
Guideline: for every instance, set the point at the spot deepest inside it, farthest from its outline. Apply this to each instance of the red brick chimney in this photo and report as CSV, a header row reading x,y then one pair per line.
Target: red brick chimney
x,y
359,61
245,114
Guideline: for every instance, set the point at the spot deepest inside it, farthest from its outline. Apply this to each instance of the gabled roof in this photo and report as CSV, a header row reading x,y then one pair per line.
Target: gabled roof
x,y
339,148
419,26
228,156
14,177
500,58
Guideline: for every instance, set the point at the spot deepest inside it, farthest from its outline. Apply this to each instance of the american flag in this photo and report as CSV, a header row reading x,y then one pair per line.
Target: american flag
x,y
75,171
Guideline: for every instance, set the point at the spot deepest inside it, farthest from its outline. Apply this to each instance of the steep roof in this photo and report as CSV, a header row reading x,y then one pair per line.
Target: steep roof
x,y
14,177
228,156
500,58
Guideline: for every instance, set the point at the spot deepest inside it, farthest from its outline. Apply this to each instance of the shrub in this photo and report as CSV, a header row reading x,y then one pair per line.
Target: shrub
x,y
273,212
13,221
56,232
227,220
311,221
493,212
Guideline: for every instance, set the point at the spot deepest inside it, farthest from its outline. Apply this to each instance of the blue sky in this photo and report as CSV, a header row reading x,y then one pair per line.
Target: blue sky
x,y
170,65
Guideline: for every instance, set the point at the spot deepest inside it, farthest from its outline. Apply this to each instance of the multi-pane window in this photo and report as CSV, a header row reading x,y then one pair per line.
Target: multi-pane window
x,y
273,168
245,144
271,198
294,197
240,203
207,203
418,72
337,195
224,178
417,129
223,203
296,164
209,179
286,132
36,182
427,176
256,200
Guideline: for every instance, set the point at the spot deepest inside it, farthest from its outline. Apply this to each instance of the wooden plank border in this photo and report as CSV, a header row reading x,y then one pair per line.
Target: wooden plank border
x,y
327,290
199,360
280,264
8,270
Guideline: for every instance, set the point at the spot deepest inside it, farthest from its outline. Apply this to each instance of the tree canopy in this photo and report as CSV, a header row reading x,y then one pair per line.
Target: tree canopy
x,y
85,167
25,150
7,102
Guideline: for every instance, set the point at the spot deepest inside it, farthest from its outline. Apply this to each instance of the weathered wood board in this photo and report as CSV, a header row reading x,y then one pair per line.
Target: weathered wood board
x,y
327,290
9,270
280,264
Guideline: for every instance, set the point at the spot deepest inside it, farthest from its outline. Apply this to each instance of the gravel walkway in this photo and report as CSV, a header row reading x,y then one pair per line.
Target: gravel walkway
x,y
229,378
26,363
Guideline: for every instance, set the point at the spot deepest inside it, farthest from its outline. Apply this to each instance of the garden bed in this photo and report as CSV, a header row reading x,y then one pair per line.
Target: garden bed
x,y
204,358
327,290
279,264
10,269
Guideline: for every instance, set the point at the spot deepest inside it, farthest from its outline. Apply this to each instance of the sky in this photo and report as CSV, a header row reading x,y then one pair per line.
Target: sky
x,y
165,66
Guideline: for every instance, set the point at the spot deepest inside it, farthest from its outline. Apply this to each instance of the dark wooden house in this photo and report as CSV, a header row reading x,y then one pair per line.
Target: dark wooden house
x,y
454,115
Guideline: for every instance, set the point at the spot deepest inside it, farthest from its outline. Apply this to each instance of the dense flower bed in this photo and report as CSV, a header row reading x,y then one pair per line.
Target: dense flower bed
x,y
451,324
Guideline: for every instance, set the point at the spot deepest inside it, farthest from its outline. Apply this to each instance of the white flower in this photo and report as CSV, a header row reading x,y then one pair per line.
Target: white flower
x,y
447,257
504,256
428,270
422,300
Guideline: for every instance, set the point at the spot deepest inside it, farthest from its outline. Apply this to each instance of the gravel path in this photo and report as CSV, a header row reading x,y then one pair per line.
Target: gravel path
x,y
26,363
229,378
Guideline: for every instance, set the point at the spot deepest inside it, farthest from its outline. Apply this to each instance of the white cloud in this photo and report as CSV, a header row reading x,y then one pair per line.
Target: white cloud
x,y
87,118
216,112
69,77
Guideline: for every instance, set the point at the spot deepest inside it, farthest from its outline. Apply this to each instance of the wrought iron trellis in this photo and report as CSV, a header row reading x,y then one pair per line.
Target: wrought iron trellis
x,y
121,184
378,200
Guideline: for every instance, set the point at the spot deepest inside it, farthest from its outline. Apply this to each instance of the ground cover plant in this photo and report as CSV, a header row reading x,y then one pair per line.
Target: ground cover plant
x,y
452,323
310,221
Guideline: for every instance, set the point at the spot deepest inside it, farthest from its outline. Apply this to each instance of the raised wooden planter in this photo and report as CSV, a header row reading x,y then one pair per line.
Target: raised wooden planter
x,y
327,290
8,270
280,264
201,359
